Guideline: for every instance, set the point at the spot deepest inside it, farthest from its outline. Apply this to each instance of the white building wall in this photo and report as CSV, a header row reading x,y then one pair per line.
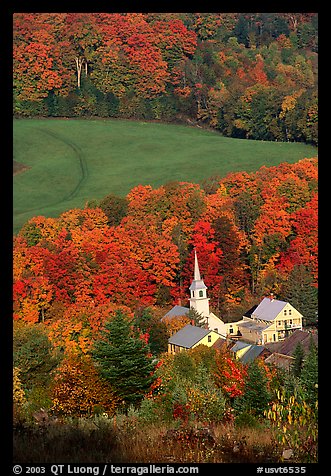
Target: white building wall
x,y
200,305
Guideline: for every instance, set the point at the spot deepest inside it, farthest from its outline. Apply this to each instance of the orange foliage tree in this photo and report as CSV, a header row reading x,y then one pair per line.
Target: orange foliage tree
x,y
78,390
249,232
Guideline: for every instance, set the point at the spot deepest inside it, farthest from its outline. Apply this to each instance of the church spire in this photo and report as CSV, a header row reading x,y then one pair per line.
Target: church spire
x,y
199,300
196,268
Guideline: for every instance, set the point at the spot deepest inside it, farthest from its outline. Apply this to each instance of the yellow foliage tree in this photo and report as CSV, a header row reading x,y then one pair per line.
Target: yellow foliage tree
x,y
19,399
78,390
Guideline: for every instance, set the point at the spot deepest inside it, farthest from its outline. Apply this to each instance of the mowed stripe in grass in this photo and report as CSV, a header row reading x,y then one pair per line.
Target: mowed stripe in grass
x,y
71,160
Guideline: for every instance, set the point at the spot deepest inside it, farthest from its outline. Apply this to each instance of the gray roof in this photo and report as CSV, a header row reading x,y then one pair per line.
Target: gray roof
x,y
288,345
268,309
252,353
177,311
197,284
253,325
280,360
188,336
239,345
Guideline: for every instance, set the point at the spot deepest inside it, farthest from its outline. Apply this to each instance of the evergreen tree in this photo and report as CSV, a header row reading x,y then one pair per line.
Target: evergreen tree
x,y
146,322
241,30
298,356
198,319
124,360
300,292
309,374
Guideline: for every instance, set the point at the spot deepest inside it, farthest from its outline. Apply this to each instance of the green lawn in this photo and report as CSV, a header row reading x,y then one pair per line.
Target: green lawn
x,y
70,161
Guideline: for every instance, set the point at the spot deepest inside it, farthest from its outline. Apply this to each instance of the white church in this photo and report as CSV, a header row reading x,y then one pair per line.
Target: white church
x,y
200,302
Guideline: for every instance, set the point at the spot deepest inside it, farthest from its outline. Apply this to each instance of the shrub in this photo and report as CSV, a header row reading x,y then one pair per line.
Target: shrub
x,y
246,419
296,423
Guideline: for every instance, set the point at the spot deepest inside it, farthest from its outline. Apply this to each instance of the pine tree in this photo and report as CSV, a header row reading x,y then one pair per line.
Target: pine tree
x,y
301,293
124,360
198,319
298,356
309,374
157,331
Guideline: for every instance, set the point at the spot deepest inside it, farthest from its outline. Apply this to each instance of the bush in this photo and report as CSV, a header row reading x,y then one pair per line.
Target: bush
x,y
246,419
149,411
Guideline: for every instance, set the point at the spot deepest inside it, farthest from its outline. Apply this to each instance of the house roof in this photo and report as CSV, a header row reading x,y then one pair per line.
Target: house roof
x,y
251,354
188,336
283,361
250,311
288,345
268,309
240,345
252,325
214,317
220,343
177,311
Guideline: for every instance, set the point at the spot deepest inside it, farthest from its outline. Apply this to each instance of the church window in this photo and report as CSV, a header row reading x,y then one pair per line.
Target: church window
x,y
200,293
209,338
193,293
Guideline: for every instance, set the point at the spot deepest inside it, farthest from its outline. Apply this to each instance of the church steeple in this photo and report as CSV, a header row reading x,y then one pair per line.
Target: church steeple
x,y
198,289
196,268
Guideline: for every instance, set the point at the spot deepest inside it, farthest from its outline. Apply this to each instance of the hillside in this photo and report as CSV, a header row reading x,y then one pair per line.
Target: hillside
x,y
247,75
72,161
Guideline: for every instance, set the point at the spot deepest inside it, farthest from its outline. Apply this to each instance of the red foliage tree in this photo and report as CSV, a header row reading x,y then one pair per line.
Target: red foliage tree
x,y
230,374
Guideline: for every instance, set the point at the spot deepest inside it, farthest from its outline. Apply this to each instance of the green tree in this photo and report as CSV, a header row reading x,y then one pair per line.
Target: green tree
x,y
298,356
157,331
300,292
124,360
184,367
241,30
195,316
309,374
256,396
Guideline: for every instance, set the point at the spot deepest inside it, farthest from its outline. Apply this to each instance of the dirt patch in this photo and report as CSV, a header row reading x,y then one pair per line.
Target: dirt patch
x,y
19,168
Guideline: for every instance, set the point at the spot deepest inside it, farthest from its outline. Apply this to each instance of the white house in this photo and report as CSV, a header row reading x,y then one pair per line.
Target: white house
x,y
271,321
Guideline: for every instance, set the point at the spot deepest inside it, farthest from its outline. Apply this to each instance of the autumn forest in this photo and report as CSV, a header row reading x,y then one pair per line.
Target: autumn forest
x,y
248,75
92,284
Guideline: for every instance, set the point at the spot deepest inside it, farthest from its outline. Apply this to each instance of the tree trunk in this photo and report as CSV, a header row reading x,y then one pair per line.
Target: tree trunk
x,y
79,64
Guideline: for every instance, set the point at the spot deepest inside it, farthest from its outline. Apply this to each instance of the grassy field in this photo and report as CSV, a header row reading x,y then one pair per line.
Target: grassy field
x,y
62,163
